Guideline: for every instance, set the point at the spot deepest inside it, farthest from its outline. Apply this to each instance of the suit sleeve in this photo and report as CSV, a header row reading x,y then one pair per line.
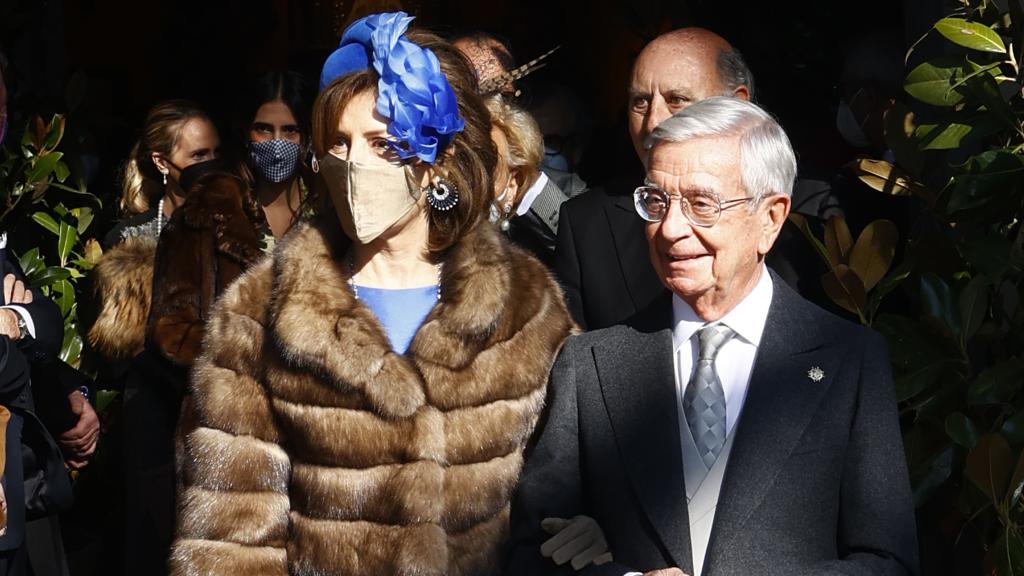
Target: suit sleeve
x,y
877,533
46,320
233,508
567,265
551,481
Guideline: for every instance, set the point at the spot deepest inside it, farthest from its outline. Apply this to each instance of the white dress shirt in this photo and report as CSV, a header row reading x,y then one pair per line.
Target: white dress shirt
x,y
734,364
531,194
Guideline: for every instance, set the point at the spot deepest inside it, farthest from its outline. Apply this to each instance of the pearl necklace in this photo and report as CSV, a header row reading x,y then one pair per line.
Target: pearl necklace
x,y
355,289
159,216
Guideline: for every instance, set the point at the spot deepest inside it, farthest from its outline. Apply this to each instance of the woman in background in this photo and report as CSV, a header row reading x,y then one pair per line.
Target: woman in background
x,y
176,135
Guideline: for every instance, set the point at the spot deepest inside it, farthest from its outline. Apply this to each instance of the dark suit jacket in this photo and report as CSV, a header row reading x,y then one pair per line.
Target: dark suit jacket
x,y
602,261
815,484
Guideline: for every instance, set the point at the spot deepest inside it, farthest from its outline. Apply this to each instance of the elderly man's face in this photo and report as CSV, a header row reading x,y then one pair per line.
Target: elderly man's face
x,y
668,77
712,269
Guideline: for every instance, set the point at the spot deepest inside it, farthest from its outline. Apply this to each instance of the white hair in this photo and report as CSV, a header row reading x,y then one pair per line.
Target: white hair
x,y
767,161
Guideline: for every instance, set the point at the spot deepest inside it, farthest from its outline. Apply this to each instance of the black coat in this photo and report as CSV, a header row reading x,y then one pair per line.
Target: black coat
x,y
816,482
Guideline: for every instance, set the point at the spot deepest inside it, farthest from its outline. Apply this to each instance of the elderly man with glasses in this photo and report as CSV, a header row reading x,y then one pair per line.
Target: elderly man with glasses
x,y
733,428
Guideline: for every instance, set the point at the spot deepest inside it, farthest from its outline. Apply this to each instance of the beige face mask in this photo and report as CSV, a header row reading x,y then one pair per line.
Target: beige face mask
x,y
369,198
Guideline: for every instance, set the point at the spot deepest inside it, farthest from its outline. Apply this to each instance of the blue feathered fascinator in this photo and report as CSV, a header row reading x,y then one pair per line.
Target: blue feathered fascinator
x,y
414,94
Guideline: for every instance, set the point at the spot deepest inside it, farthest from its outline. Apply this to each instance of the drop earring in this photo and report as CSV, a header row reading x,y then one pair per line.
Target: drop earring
x,y
442,195
506,217
165,178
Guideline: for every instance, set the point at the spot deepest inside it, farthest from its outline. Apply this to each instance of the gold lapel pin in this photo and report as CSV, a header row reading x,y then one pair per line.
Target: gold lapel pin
x,y
816,374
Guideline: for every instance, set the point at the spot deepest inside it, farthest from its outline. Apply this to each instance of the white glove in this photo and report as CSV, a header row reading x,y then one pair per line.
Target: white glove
x,y
580,540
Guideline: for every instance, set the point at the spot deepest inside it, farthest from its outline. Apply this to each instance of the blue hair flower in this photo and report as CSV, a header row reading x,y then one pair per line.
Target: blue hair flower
x,y
413,93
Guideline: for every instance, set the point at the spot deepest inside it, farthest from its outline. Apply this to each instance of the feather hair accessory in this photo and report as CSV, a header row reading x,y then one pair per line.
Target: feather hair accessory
x,y
494,84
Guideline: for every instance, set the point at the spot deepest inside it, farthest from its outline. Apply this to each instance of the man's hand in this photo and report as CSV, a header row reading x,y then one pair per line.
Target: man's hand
x,y
80,442
580,540
666,572
15,291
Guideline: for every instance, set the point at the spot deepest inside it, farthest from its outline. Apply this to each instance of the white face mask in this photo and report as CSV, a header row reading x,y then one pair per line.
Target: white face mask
x,y
369,198
849,128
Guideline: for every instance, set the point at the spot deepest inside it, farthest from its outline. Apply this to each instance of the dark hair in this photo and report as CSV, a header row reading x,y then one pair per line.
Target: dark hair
x,y
733,71
470,157
284,85
139,181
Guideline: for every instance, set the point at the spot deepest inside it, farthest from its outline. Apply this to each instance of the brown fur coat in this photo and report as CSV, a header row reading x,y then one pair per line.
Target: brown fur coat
x,y
123,287
207,243
319,451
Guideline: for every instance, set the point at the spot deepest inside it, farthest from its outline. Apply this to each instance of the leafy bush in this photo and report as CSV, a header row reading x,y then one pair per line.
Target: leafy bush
x,y
959,357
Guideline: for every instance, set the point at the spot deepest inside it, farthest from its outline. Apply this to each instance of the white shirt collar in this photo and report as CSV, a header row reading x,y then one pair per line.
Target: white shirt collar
x,y
531,194
746,318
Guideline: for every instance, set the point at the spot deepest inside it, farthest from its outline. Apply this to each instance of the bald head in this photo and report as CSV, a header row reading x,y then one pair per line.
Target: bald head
x,y
677,69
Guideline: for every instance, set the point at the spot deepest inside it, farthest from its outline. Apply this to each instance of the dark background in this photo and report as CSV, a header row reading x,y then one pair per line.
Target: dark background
x,y
105,62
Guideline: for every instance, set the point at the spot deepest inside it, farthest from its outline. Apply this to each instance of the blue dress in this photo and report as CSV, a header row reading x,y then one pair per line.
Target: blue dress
x,y
401,311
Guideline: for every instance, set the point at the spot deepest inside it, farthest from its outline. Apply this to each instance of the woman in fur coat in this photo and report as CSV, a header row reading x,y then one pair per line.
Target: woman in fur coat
x,y
364,395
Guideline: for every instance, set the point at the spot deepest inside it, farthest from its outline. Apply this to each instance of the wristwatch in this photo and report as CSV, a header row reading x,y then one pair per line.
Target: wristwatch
x,y
22,327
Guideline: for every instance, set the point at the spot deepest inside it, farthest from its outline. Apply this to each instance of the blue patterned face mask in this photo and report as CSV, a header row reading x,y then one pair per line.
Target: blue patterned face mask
x,y
274,160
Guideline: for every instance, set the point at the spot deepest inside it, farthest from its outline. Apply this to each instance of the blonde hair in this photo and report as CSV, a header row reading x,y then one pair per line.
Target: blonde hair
x,y
525,141
140,181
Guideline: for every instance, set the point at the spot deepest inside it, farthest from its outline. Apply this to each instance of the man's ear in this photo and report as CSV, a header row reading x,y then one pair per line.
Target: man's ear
x,y
160,163
742,92
772,216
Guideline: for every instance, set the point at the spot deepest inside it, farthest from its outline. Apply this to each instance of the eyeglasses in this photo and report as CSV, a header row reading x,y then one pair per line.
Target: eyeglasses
x,y
702,210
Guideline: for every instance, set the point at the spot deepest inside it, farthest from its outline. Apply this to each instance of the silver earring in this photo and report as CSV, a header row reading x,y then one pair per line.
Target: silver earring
x,y
506,217
442,195
165,178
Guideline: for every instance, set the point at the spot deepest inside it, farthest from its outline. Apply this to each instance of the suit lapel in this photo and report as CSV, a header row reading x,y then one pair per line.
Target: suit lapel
x,y
781,399
642,284
638,385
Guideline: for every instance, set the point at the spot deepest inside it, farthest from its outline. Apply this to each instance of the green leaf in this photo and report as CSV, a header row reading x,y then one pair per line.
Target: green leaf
x,y
918,380
989,465
946,136
64,296
973,303
84,215
838,240
1007,553
997,384
55,133
931,82
66,242
970,35
844,287
46,221
30,262
71,348
872,255
104,398
961,430
48,276
43,167
61,171
937,299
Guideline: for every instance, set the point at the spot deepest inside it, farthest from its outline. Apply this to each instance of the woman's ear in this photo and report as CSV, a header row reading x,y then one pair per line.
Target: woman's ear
x,y
514,185
160,163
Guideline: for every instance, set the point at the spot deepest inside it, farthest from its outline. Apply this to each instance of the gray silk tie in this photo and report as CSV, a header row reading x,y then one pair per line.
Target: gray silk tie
x,y
704,401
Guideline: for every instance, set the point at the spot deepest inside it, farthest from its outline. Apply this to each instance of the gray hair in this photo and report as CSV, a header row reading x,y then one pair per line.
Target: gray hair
x,y
767,161
733,71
